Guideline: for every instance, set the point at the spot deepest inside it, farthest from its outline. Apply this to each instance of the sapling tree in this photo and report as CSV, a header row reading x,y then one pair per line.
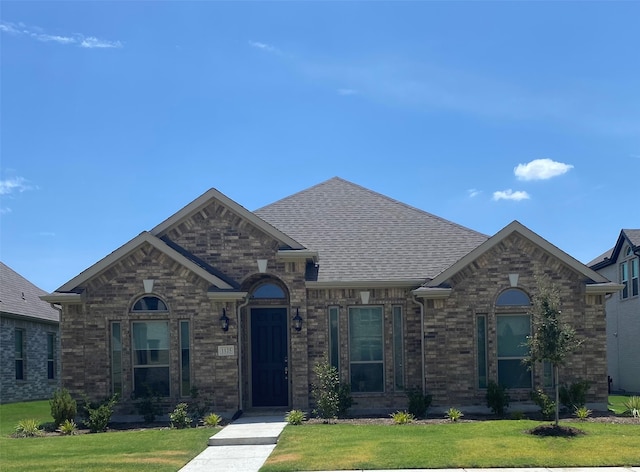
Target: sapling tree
x,y
551,340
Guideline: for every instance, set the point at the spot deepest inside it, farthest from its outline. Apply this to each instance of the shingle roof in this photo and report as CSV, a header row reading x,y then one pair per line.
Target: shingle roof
x,y
611,256
20,297
633,235
363,235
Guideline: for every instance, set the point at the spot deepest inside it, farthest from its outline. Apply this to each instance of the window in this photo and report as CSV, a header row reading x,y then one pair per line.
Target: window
x,y
513,297
634,277
365,349
512,336
334,337
481,327
19,353
151,358
185,356
149,304
51,357
269,290
116,358
398,348
624,279
629,275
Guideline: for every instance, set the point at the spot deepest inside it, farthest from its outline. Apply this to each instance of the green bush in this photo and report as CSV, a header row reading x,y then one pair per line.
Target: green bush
x,y
575,395
198,408
497,398
295,417
582,413
180,418
632,405
212,420
63,407
546,404
29,428
98,414
68,428
332,398
402,417
453,414
419,403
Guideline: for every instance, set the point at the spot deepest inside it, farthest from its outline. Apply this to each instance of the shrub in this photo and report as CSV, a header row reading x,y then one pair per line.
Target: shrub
x,y
453,414
29,428
198,409
332,398
497,398
295,417
63,407
68,428
546,404
179,417
632,405
402,417
419,403
212,420
149,407
582,413
98,414
575,395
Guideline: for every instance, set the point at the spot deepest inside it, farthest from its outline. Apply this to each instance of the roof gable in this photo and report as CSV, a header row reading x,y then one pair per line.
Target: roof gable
x,y
20,297
213,194
516,226
626,236
134,244
362,235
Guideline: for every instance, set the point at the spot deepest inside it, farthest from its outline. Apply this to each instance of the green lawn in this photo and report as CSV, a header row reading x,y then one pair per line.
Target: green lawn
x,y
616,403
149,450
480,444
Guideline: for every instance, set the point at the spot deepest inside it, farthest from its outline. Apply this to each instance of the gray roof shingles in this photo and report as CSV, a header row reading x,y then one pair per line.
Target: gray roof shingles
x,y
604,259
20,297
363,235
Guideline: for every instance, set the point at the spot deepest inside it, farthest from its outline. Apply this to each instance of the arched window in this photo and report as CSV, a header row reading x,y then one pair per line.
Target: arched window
x,y
513,297
268,290
148,303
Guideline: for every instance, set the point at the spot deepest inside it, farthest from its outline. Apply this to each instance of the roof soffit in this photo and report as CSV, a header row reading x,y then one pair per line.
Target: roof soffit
x,y
516,226
213,194
128,248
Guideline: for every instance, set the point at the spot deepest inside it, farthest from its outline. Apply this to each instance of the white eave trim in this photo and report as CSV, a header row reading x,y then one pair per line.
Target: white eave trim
x,y
398,283
603,288
227,296
296,254
62,298
432,293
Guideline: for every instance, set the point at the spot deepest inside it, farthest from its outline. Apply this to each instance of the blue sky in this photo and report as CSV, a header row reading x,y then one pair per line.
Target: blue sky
x,y
114,115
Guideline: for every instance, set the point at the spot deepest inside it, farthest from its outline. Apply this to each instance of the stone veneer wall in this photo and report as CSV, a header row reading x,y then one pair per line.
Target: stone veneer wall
x,y
36,385
450,325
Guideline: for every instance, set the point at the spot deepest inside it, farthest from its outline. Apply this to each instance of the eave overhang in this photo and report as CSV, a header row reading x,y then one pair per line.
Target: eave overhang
x,y
58,298
397,283
432,293
297,254
603,288
224,295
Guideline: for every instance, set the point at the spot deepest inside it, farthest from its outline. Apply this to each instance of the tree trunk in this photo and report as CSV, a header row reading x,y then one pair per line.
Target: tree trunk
x,y
555,381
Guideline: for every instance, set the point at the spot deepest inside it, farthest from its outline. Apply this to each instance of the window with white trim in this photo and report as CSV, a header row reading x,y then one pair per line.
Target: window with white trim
x,y
150,341
366,348
629,275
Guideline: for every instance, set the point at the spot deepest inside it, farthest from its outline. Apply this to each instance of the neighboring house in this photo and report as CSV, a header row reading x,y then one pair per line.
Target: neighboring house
x,y
29,340
243,305
620,264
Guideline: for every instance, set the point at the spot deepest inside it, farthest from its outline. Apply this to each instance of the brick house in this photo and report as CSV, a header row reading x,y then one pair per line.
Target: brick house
x,y
621,263
243,304
29,340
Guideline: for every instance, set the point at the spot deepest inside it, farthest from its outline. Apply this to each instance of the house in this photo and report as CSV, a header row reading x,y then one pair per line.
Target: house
x,y
29,340
620,264
243,305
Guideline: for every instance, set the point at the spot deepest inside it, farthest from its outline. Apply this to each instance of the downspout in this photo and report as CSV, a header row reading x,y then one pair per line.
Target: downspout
x,y
421,305
240,392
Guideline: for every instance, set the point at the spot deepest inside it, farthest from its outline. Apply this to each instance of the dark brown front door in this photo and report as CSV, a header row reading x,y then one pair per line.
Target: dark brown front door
x,y
269,357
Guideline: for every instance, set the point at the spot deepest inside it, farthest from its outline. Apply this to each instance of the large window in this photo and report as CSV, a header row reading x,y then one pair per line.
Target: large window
x,y
629,275
19,353
512,336
150,358
366,349
51,356
334,337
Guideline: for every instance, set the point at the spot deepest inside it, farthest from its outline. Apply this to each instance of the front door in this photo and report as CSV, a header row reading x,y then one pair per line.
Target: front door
x,y
269,368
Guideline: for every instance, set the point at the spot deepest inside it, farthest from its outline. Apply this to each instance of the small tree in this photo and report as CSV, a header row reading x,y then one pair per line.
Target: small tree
x,y
332,397
551,340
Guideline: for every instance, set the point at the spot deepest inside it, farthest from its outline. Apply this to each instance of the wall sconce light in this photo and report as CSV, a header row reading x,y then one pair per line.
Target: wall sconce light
x,y
224,321
297,320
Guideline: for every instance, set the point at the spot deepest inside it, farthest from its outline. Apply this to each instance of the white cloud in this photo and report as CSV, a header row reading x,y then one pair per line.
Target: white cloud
x,y
15,184
511,195
38,34
541,169
265,47
472,192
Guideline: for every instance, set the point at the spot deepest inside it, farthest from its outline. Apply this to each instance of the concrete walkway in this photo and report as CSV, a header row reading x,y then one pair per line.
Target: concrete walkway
x,y
245,445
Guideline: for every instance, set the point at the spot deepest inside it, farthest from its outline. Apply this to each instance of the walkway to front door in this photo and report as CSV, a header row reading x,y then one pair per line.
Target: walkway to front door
x,y
269,364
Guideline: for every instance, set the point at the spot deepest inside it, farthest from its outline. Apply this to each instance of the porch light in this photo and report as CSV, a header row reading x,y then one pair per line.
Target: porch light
x,y
224,321
297,320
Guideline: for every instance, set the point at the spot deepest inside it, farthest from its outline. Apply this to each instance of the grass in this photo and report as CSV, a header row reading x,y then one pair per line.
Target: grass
x,y
148,450
455,445
616,403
